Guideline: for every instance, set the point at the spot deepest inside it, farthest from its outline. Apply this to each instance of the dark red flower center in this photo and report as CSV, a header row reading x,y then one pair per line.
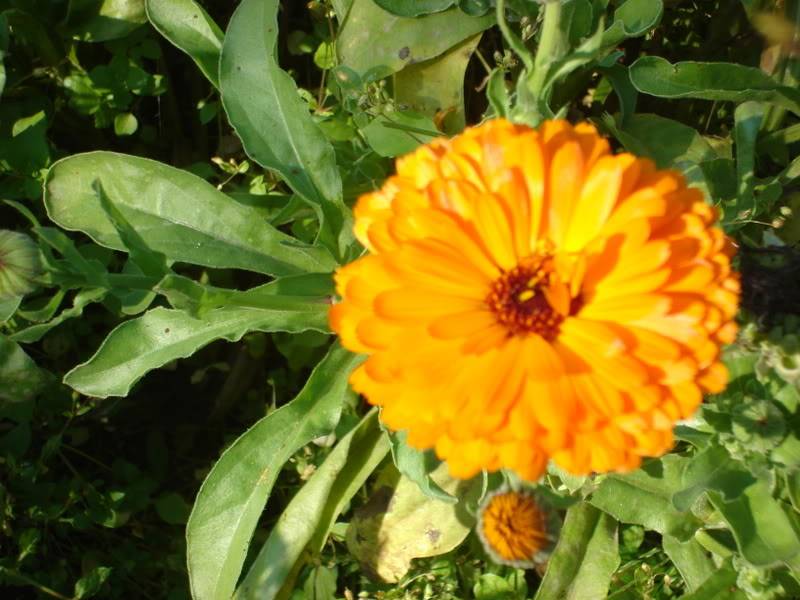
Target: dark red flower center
x,y
519,302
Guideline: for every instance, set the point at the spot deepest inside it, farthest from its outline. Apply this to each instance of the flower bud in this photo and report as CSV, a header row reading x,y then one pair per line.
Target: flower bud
x,y
20,264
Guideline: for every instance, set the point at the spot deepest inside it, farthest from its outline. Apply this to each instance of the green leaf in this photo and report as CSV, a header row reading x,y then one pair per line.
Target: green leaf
x,y
710,81
712,469
577,18
672,144
399,523
403,41
89,272
90,584
633,19
308,518
418,466
172,508
82,299
341,7
619,77
286,292
571,482
20,378
132,299
644,497
414,8
231,499
764,534
748,118
493,587
29,540
20,126
325,56
320,584
497,93
152,264
664,140
8,306
720,586
792,480
437,85
397,133
162,335
175,213
42,308
585,558
106,20
188,26
586,53
273,121
691,560
45,42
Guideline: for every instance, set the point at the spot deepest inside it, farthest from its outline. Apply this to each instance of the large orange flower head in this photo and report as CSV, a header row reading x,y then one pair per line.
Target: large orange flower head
x,y
528,295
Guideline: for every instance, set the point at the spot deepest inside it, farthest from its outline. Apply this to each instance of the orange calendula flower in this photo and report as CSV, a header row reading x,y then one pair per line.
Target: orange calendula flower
x,y
517,528
528,295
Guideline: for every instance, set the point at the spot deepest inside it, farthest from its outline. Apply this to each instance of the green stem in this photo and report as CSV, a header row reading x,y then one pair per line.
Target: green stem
x,y
551,46
42,588
712,545
134,282
533,81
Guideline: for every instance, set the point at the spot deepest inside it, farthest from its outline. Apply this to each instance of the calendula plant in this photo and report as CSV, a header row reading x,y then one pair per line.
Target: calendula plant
x,y
509,287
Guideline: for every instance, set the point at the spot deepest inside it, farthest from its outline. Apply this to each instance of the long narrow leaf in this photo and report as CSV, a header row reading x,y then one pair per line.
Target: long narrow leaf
x,y
162,335
188,26
315,507
233,495
585,558
710,81
274,122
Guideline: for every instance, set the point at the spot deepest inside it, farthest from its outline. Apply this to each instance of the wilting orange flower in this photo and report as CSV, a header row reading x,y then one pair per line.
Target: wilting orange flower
x,y
528,295
517,528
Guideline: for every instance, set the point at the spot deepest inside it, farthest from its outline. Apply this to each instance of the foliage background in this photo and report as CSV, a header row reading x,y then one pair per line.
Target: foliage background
x,y
95,491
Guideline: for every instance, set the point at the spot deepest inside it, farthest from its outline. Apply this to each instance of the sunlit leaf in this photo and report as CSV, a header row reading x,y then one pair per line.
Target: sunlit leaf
x,y
188,26
162,335
404,41
229,504
691,560
436,87
314,509
711,469
585,558
400,523
710,81
274,122
644,497
763,532
418,467
175,213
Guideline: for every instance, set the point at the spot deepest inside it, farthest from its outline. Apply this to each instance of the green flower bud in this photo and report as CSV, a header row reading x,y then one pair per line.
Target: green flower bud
x,y
20,264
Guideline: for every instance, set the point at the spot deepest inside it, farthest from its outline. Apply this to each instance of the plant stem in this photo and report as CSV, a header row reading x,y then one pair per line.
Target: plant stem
x,y
552,46
531,105
42,588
